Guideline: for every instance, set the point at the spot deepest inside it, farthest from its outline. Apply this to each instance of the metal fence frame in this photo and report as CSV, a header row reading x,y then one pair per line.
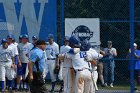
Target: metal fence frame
x,y
131,23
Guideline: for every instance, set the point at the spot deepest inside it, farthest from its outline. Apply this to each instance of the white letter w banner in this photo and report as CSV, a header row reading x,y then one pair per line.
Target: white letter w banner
x,y
32,17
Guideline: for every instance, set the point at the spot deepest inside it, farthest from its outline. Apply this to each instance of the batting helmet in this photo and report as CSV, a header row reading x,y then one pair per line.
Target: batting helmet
x,y
85,45
74,42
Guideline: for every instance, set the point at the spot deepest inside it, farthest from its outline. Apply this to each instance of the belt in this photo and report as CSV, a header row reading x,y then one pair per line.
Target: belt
x,y
82,69
51,58
68,67
3,61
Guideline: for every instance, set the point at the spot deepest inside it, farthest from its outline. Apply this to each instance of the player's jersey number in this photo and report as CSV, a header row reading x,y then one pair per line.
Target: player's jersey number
x,y
82,54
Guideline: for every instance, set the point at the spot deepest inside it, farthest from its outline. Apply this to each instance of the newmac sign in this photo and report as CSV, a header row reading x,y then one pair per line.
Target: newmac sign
x,y
32,17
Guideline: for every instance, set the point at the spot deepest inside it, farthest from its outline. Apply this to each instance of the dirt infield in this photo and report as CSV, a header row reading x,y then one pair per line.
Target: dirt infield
x,y
101,90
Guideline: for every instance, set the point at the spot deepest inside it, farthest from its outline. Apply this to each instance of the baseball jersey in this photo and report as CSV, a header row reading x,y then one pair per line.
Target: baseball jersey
x,y
78,61
6,54
15,43
14,47
93,53
52,50
65,49
24,51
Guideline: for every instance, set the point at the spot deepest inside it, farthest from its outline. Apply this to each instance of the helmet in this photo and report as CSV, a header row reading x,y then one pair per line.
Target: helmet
x,y
85,45
11,36
34,37
4,41
74,41
24,36
50,36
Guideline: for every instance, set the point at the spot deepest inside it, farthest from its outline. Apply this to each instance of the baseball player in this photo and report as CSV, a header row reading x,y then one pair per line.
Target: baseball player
x,y
94,65
10,39
83,80
24,51
20,38
6,64
68,73
34,40
52,49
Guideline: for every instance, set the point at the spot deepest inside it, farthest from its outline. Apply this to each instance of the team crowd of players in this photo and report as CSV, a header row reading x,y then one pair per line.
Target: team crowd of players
x,y
76,62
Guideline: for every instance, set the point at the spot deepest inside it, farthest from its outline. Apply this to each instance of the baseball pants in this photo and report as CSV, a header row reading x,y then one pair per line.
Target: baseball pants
x,y
69,79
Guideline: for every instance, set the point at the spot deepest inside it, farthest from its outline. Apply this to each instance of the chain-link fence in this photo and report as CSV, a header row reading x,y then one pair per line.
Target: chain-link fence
x,y
114,18
114,25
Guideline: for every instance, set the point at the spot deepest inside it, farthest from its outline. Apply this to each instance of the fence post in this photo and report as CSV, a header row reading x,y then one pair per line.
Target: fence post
x,y
131,3
62,31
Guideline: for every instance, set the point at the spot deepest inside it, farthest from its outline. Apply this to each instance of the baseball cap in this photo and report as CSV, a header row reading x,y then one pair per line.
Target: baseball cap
x,y
10,36
135,45
20,36
34,37
41,42
50,36
4,41
24,36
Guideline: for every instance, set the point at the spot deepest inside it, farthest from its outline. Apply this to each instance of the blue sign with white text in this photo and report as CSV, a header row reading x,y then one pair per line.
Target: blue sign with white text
x,y
32,17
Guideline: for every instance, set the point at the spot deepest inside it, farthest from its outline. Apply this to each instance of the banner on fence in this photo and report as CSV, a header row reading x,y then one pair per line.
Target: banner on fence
x,y
84,28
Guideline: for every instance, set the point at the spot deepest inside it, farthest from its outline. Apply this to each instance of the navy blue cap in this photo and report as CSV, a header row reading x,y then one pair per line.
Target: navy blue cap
x,y
4,41
20,36
10,36
34,37
50,36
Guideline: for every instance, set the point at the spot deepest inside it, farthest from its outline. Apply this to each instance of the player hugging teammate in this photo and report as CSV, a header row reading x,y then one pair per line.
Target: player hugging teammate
x,y
82,59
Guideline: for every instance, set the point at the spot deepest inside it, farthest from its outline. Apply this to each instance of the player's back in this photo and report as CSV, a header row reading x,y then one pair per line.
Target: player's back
x,y
78,61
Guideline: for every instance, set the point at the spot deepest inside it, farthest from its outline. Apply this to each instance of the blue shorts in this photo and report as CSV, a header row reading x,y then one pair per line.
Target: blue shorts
x,y
16,60
22,70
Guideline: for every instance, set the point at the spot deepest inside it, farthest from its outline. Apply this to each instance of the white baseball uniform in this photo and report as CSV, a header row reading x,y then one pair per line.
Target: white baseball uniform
x,y
83,81
15,49
51,51
68,72
94,55
6,56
